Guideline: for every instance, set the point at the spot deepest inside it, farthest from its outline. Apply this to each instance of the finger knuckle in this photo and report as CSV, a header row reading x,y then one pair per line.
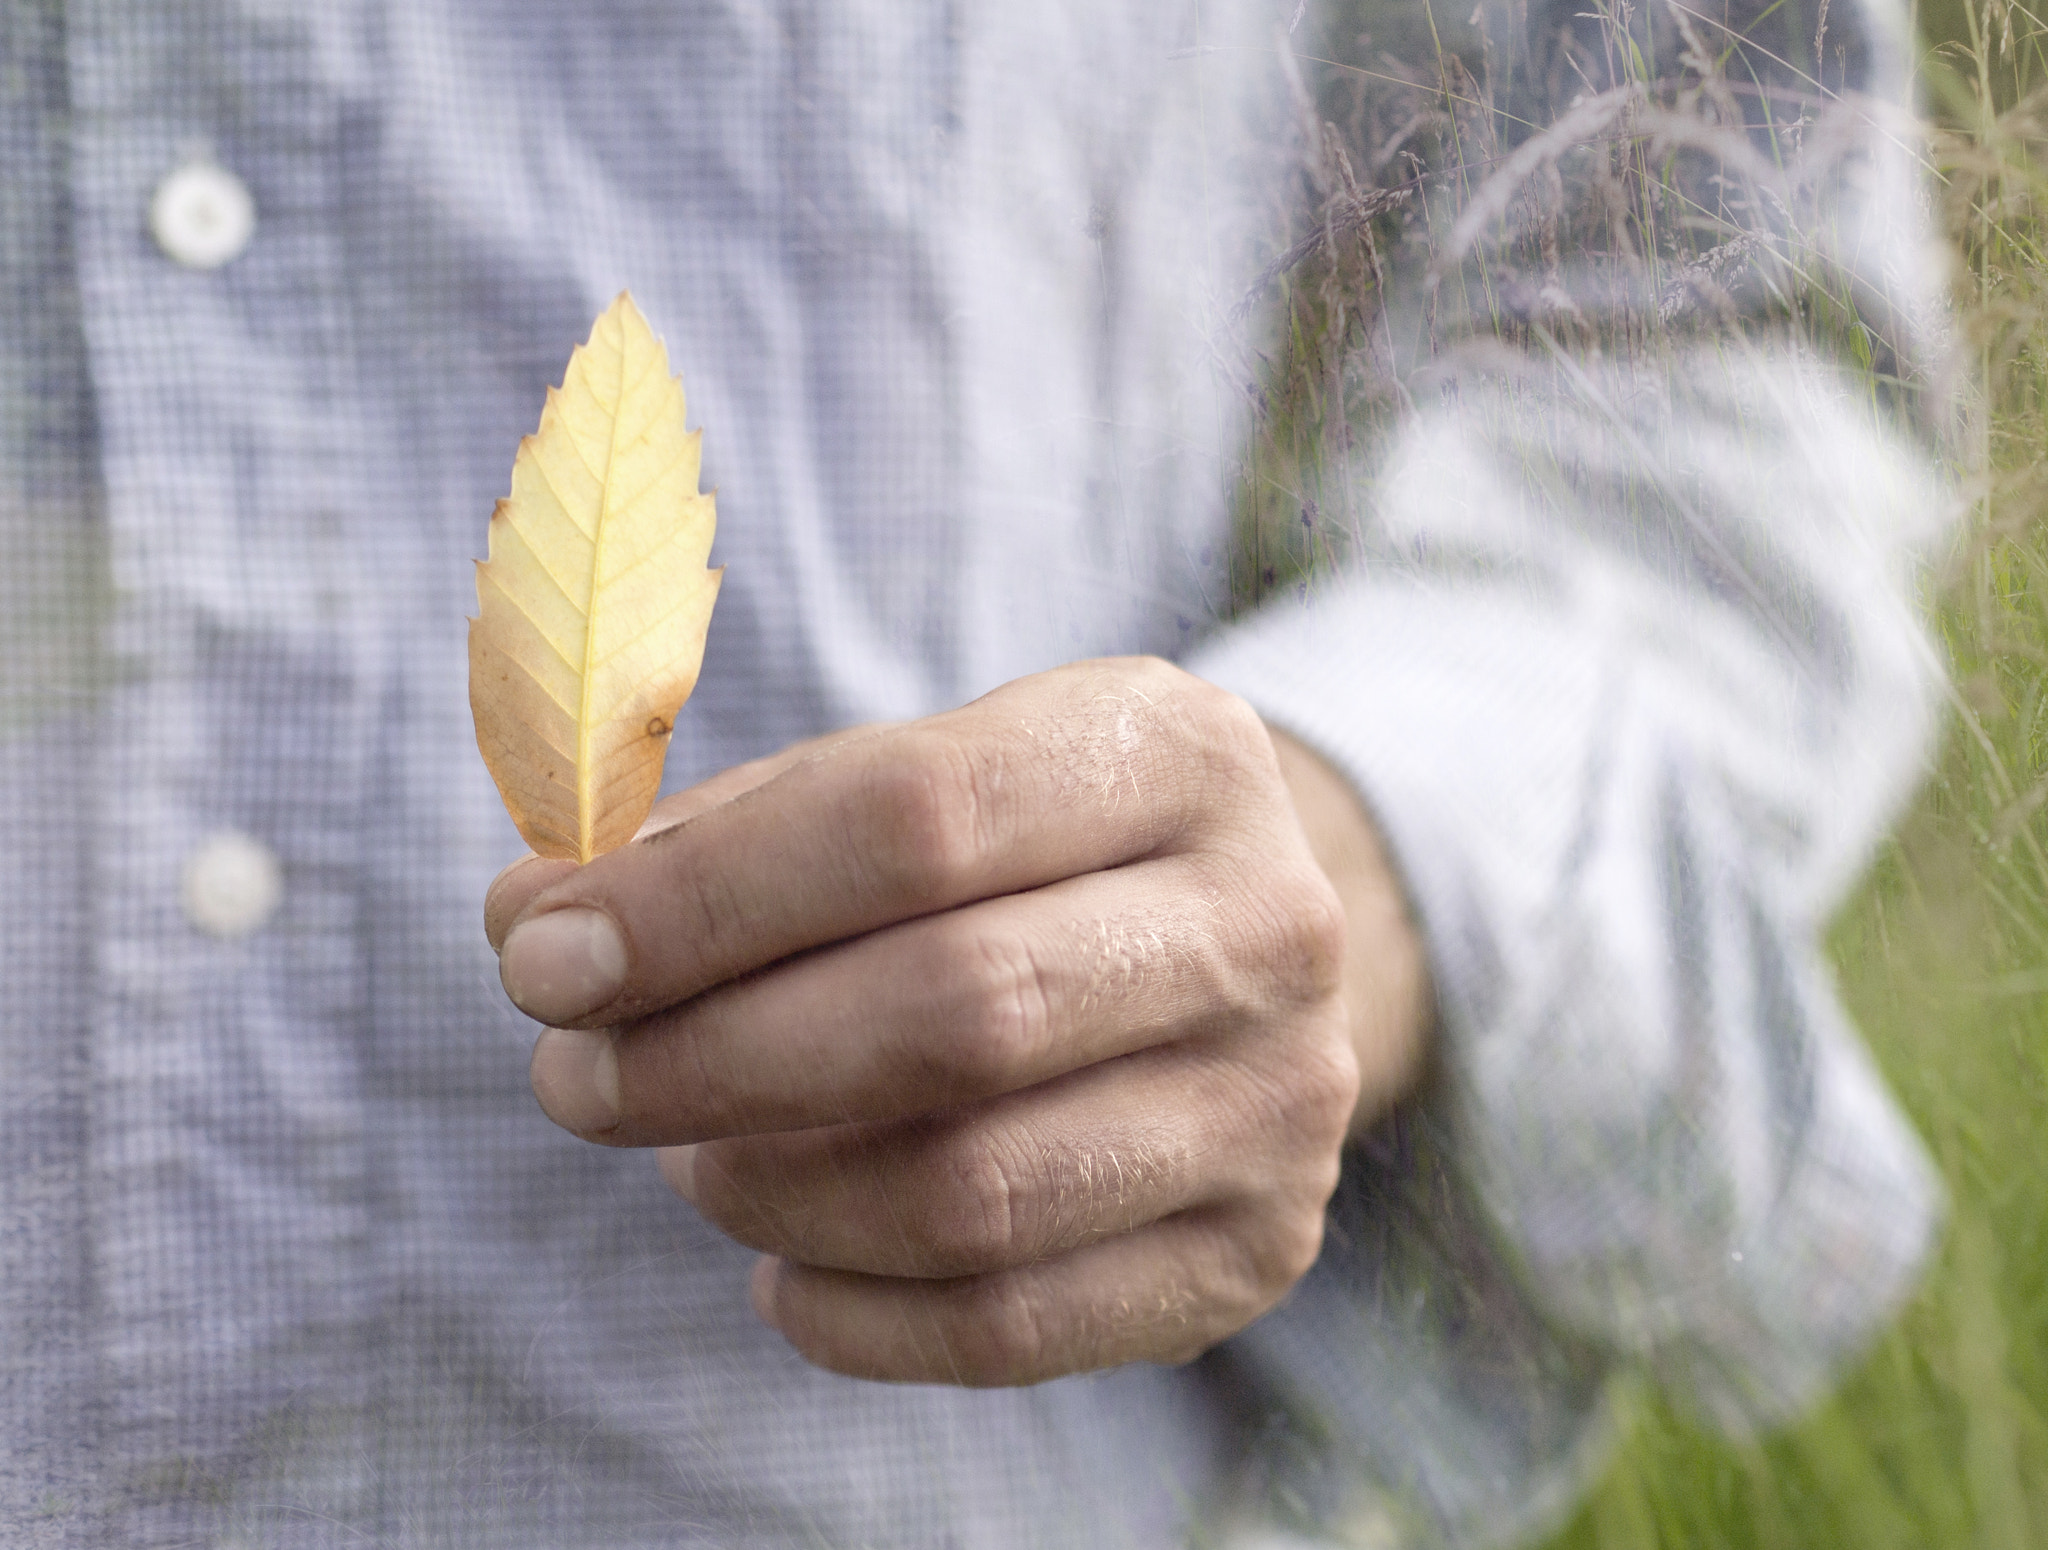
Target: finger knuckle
x,y
928,814
1323,1165
1158,677
1299,1090
1265,1251
1281,936
976,1217
1320,1089
1223,723
1300,933
986,1020
1004,1010
1231,732
1003,1332
1317,929
1295,1243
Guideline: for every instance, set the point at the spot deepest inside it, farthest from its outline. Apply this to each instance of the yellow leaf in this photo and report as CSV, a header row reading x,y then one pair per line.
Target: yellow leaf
x,y
595,599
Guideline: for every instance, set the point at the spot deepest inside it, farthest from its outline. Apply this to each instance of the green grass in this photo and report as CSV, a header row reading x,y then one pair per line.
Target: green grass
x,y
1939,1436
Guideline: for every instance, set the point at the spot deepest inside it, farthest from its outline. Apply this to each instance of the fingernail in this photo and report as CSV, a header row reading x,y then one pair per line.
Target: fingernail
x,y
564,965
679,1170
763,1288
575,1075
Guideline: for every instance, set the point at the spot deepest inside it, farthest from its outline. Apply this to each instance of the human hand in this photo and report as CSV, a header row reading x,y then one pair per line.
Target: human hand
x,y
1014,1037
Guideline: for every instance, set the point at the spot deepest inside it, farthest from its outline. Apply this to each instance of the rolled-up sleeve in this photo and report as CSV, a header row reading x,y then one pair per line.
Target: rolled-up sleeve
x,y
1632,679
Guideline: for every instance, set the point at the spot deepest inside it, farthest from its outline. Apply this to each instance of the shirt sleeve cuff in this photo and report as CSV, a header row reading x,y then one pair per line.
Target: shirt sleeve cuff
x,y
1650,1090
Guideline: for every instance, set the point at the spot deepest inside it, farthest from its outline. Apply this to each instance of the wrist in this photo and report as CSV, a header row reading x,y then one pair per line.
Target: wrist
x,y
1386,972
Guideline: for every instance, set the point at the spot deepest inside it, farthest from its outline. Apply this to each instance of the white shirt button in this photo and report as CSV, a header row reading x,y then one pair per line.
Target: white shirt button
x,y
233,885
202,215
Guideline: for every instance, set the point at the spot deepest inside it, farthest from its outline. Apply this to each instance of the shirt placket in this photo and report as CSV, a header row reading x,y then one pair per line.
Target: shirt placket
x,y
230,1171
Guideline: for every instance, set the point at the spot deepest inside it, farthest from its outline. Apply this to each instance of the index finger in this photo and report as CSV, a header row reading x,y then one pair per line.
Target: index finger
x,y
1068,772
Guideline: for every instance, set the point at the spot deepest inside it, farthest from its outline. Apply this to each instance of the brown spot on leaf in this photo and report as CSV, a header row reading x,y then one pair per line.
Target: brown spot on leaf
x,y
656,727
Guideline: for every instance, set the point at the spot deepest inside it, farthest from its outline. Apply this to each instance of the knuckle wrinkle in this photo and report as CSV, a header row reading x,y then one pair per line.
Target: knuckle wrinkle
x,y
930,821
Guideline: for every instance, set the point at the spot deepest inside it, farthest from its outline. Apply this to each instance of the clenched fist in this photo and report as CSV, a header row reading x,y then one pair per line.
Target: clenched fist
x,y
1022,1040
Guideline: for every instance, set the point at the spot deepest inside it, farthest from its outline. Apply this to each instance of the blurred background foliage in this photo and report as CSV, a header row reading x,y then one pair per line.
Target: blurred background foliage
x,y
1939,1437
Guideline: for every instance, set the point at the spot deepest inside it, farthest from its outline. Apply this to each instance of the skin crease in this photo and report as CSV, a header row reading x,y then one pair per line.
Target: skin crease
x,y
1021,1041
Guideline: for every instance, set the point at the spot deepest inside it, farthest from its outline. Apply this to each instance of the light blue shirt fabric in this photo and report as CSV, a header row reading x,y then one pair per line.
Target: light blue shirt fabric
x,y
289,1257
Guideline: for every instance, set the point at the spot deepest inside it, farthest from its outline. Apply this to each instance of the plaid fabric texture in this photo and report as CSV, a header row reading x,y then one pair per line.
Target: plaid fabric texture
x,y
287,1256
